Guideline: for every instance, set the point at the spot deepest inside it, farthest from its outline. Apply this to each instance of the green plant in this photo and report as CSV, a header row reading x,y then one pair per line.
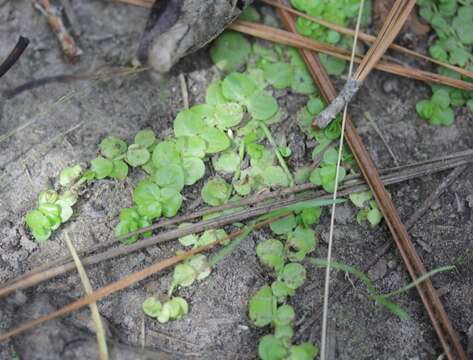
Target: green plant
x,y
452,22
368,208
111,163
56,208
340,12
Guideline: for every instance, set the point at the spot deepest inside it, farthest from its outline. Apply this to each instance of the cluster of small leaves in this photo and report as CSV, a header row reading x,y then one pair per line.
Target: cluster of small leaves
x,y
452,21
340,12
173,309
53,208
325,173
268,306
368,209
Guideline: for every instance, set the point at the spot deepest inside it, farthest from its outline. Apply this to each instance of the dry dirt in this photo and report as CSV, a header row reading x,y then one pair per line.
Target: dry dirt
x,y
61,124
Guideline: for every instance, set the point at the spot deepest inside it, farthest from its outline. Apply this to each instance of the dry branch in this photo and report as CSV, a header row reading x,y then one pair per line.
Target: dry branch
x,y
53,15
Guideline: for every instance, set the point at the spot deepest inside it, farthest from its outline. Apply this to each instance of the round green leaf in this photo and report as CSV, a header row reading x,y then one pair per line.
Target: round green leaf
x,y
300,242
201,266
278,74
39,225
271,348
238,87
120,170
125,227
284,315
374,216
304,351
216,139
145,138
152,307
101,167
293,275
171,201
228,162
284,225
48,196
171,175
137,155
184,275
216,192
214,94
188,123
194,170
271,253
183,306
52,213
111,147
261,307
228,115
191,146
166,153
275,176
69,174
230,51
262,106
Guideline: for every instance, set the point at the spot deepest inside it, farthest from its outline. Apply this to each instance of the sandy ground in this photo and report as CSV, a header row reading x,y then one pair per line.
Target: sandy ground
x,y
61,124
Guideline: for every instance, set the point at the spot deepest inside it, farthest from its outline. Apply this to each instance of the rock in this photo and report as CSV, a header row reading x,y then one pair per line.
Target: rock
x,y
469,200
378,271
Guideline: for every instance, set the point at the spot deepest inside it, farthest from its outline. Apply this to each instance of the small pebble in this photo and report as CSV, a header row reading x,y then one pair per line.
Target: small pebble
x,y
469,200
391,85
378,271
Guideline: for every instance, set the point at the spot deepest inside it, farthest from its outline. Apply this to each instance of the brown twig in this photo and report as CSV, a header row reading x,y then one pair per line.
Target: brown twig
x,y
439,318
352,184
53,15
128,281
14,55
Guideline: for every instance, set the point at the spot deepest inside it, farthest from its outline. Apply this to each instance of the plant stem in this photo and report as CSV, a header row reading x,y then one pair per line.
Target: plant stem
x,y
281,161
99,329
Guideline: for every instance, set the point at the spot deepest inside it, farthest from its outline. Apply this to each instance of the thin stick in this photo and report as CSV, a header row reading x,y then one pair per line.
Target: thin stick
x,y
14,55
292,39
99,329
351,184
184,92
127,281
335,191
440,321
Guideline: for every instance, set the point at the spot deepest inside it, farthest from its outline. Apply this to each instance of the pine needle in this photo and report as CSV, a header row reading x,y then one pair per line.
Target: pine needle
x,y
292,39
99,329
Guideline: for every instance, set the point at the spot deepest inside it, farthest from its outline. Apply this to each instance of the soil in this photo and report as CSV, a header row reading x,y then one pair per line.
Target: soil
x,y
62,123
